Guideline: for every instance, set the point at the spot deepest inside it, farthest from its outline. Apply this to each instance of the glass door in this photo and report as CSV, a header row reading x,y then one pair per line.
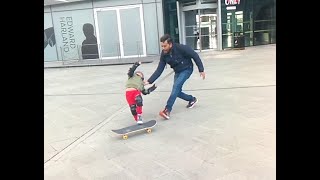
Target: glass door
x,y
208,25
201,29
232,27
192,28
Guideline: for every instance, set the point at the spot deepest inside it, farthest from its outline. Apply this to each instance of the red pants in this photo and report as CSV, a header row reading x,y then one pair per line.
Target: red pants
x,y
131,99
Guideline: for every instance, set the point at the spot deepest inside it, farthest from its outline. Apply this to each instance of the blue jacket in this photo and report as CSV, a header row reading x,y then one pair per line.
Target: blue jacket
x,y
179,59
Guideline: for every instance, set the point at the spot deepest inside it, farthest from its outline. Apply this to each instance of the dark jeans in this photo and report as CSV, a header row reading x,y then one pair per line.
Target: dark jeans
x,y
179,79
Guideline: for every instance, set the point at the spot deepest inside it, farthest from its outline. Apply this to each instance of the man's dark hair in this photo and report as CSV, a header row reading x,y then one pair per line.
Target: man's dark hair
x,y
166,37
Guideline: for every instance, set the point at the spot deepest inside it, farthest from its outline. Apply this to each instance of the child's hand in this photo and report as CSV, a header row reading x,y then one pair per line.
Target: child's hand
x,y
152,88
137,63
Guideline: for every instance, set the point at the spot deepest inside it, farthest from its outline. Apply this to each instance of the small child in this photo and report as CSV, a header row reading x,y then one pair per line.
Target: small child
x,y
134,88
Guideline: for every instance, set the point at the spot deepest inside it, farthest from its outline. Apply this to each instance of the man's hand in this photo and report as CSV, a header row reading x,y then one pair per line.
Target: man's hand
x,y
145,82
203,75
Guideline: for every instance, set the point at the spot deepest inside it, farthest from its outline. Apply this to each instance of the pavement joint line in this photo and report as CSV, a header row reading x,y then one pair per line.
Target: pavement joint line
x,y
83,137
217,88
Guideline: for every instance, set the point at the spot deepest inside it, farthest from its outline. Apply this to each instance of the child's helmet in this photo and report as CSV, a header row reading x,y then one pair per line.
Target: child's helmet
x,y
141,74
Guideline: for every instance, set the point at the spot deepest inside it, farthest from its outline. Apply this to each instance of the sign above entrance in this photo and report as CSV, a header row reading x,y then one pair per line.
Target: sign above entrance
x,y
232,2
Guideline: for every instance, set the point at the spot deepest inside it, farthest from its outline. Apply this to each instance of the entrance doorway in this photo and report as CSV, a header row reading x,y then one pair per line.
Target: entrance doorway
x,y
233,26
201,29
208,25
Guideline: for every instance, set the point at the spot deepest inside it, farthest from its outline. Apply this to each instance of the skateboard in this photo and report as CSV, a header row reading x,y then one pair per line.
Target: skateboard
x,y
135,128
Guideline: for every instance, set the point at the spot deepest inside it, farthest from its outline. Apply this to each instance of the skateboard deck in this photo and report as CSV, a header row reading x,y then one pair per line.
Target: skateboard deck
x,y
134,128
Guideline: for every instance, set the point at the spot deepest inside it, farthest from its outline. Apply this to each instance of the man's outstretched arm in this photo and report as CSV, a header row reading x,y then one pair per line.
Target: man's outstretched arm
x,y
157,72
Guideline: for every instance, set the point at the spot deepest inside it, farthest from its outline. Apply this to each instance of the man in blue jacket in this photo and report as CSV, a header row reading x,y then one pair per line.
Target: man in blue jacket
x,y
178,56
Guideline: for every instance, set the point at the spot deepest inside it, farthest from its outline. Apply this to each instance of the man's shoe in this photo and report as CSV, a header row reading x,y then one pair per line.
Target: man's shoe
x,y
192,103
165,114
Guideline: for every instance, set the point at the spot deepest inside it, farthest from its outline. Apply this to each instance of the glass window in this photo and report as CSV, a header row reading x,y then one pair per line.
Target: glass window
x,y
70,33
131,31
189,2
151,31
208,1
264,22
50,50
108,33
171,19
256,19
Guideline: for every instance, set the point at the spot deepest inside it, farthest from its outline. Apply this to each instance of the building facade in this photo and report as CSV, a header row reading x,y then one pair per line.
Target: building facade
x,y
102,29
214,24
109,29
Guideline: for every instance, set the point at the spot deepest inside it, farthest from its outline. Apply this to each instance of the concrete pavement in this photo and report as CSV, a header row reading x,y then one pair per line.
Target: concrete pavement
x,y
229,134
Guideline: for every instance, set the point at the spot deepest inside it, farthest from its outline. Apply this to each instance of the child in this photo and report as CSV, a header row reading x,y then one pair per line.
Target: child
x,y
134,88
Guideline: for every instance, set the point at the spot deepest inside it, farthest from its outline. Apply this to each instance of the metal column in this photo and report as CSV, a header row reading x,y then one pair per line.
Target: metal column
x,y
219,28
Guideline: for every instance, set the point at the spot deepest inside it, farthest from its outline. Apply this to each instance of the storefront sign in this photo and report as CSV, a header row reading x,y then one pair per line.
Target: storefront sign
x,y
231,4
67,33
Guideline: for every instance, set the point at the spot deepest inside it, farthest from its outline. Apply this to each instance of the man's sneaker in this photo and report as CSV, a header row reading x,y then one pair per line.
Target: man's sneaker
x,y
165,114
139,120
192,103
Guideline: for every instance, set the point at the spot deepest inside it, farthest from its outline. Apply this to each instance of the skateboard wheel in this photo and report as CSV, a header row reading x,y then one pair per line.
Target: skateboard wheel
x,y
149,130
125,136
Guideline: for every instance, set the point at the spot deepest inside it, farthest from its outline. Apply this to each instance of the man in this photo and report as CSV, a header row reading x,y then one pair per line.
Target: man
x,y
178,56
